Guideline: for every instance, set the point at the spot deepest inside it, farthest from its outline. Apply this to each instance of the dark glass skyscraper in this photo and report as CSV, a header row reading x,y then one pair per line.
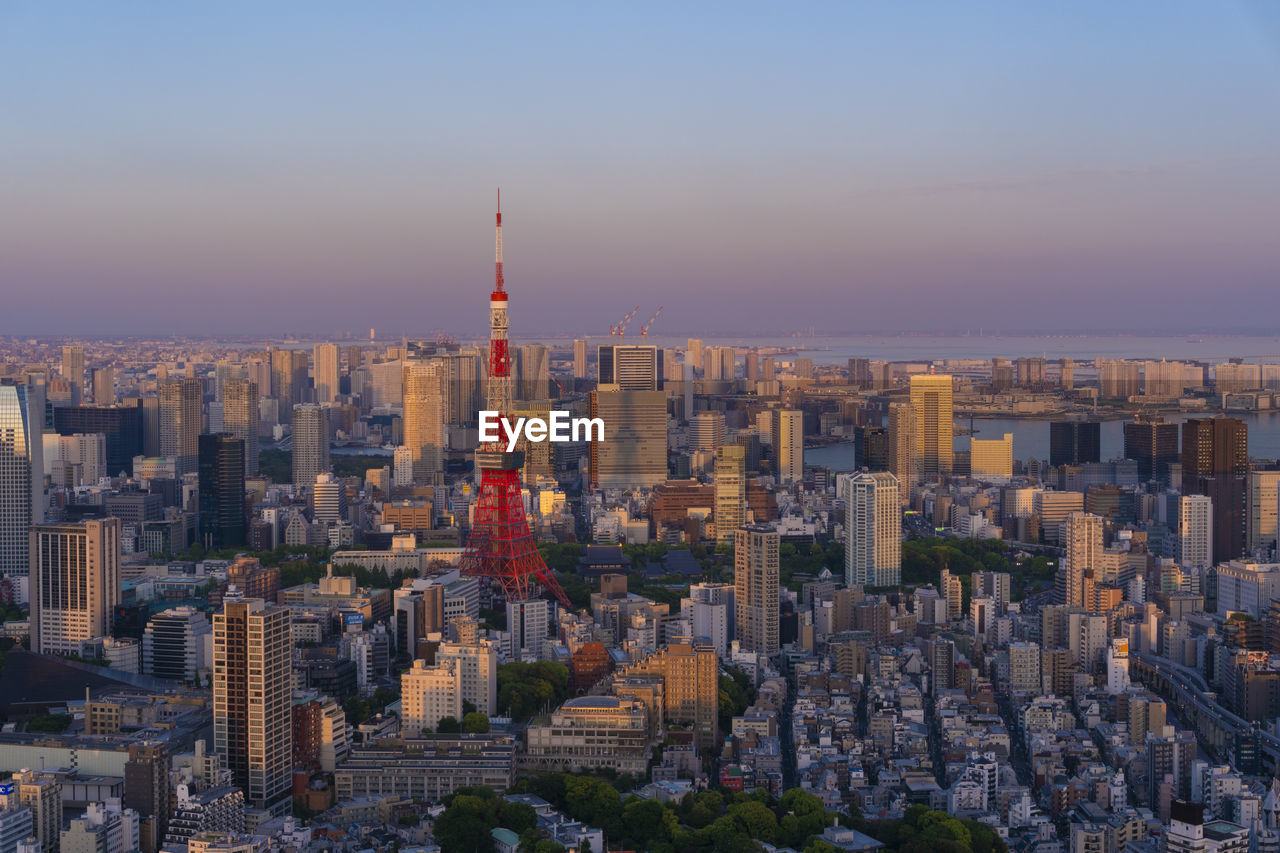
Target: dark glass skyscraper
x,y
1215,462
1153,445
222,509
122,425
1075,442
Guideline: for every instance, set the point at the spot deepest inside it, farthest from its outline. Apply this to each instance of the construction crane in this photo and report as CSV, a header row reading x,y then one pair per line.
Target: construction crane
x,y
622,325
644,330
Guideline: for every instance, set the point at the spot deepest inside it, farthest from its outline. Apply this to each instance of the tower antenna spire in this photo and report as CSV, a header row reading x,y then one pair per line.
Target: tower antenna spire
x,y
501,549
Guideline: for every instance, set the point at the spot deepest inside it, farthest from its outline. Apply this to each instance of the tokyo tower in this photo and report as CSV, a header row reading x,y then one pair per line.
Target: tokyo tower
x,y
501,547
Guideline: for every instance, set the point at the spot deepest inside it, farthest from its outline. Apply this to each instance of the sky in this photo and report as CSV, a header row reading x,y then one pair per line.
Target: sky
x,y
757,168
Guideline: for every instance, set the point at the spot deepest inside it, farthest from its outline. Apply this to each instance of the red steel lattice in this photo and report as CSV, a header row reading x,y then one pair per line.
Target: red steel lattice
x,y
501,546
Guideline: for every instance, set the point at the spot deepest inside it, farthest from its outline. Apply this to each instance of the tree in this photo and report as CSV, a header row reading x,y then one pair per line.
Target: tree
x,y
465,825
475,723
643,821
756,819
449,726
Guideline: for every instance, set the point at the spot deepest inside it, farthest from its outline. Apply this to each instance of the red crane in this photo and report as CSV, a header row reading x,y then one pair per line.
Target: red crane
x,y
644,330
622,326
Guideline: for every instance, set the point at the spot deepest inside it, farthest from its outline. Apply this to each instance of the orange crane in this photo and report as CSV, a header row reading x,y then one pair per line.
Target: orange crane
x,y
644,330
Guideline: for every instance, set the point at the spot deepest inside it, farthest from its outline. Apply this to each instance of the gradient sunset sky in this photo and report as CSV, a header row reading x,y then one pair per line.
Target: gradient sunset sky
x,y
307,167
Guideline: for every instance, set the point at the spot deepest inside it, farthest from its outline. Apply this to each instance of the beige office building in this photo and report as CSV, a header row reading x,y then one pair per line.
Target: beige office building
x,y
240,418
75,583
428,694
325,365
730,491
991,459
902,448
424,416
755,588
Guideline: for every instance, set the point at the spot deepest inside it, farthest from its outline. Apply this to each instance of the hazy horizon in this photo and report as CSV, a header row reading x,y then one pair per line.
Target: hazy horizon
x,y
308,168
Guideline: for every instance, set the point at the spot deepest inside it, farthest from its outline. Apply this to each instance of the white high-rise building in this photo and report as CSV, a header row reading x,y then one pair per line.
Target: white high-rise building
x,y
477,667
706,431
873,530
527,623
328,500
428,694
85,453
75,583
1024,666
1195,532
1118,666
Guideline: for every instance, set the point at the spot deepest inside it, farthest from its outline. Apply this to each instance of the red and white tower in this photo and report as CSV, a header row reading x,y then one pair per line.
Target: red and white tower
x,y
501,547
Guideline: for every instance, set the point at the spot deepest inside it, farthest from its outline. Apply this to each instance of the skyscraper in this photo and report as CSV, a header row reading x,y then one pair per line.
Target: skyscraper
x,y
788,445
21,474
693,353
902,448
310,444
424,416
223,520
579,359
991,459
325,357
730,491
122,426
1263,501
630,367
534,372
73,371
252,689
931,397
75,583
179,426
1215,462
1075,442
756,576
288,379
146,790
633,453
240,418
104,386
328,500
706,431
873,530
1082,543
1195,532
1153,444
